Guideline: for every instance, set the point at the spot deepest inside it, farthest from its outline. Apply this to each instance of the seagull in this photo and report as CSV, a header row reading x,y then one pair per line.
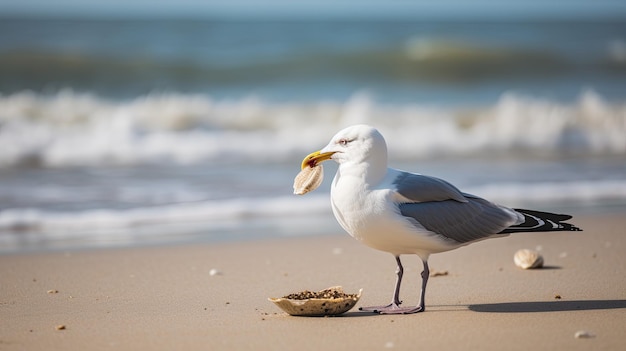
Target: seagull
x,y
406,213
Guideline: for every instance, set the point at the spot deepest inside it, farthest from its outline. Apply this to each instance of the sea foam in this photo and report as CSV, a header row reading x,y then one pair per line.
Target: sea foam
x,y
80,129
282,215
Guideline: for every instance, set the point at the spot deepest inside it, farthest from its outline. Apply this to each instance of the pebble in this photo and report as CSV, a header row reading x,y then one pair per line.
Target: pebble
x,y
583,334
330,293
60,327
439,273
215,271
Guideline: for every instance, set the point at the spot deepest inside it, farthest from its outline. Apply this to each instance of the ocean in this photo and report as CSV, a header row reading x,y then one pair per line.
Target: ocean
x,y
125,132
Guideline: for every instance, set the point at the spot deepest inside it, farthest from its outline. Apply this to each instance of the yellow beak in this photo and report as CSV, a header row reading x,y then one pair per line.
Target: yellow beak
x,y
312,159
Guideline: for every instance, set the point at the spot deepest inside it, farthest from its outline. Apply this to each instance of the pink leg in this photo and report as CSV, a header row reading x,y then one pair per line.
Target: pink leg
x,y
394,307
395,302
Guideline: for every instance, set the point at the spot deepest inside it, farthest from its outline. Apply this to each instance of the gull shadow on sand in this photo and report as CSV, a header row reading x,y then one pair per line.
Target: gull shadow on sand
x,y
548,306
518,307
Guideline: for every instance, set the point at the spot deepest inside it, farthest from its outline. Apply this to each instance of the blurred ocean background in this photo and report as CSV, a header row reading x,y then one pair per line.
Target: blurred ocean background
x,y
144,130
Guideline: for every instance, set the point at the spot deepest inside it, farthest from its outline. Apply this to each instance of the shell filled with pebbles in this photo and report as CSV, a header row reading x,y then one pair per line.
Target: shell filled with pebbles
x,y
528,259
328,302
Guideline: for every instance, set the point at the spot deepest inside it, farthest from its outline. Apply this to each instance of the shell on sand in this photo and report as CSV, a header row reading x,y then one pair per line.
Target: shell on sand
x,y
528,259
318,306
308,179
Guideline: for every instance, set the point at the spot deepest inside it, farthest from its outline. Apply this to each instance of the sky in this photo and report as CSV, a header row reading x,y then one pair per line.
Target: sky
x,y
319,8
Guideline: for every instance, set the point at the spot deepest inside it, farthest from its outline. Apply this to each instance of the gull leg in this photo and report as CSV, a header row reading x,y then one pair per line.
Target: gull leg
x,y
425,275
421,306
395,302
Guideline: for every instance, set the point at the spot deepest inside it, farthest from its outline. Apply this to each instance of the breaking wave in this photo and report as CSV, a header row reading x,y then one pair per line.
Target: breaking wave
x,y
81,129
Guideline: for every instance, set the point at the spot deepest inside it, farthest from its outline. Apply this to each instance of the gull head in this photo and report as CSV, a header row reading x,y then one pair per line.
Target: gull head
x,y
353,145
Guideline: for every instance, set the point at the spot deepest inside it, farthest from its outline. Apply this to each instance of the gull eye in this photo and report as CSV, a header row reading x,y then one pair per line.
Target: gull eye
x,y
343,142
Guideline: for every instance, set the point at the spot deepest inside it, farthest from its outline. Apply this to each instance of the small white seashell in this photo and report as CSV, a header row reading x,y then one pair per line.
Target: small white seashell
x,y
215,271
308,179
583,334
528,259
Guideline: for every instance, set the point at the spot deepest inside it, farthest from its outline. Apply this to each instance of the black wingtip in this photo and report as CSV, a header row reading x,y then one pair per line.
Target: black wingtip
x,y
557,217
570,227
538,221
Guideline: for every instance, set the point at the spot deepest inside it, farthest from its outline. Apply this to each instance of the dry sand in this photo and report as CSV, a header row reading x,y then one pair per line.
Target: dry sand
x,y
166,298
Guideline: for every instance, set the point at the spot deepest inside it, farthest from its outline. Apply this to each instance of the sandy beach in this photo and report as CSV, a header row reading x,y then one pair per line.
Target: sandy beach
x,y
214,297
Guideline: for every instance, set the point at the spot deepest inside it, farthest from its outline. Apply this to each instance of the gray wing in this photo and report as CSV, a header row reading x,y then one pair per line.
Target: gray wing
x,y
473,220
421,188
